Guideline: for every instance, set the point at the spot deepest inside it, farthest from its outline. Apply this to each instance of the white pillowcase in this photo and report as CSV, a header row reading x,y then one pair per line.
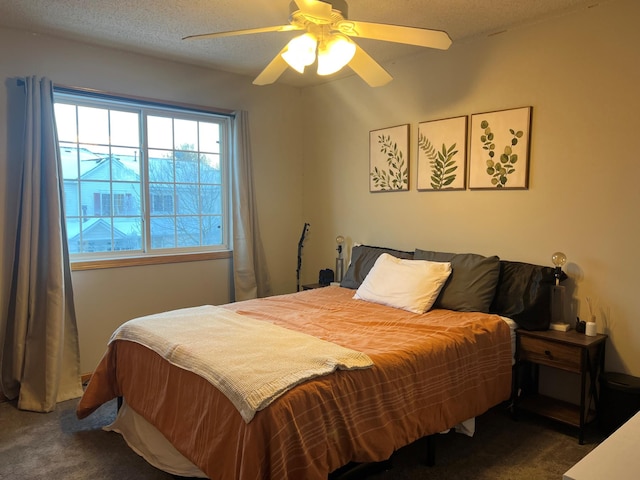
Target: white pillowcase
x,y
411,285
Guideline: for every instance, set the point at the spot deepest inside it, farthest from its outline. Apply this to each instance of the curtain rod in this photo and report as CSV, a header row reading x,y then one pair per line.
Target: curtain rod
x,y
146,100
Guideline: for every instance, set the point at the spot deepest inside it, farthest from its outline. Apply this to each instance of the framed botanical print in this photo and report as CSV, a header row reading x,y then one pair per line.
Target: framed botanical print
x,y
499,149
389,159
442,154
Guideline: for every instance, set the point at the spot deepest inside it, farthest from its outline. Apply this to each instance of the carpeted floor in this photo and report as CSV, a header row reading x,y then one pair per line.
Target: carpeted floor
x,y
58,446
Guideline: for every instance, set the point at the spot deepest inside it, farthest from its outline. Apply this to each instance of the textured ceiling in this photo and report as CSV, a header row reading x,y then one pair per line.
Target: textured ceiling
x,y
156,27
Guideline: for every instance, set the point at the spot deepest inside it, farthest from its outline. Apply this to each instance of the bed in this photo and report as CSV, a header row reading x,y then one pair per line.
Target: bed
x,y
430,372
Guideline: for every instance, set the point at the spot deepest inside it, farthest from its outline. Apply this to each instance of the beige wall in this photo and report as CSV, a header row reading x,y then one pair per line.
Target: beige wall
x,y
581,74
106,298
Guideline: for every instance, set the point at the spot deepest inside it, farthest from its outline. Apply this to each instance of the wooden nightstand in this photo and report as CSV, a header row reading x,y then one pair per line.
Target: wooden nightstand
x,y
569,351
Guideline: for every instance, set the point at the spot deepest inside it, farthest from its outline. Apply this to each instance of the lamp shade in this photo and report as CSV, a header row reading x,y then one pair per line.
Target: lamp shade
x,y
301,52
334,54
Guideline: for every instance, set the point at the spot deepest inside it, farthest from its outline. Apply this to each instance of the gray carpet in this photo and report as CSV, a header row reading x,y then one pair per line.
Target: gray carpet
x,y
58,446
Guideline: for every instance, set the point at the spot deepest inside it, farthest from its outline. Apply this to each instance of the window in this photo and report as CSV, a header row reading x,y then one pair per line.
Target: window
x,y
141,178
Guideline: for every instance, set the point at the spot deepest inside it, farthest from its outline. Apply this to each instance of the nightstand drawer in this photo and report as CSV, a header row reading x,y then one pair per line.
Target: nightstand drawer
x,y
553,354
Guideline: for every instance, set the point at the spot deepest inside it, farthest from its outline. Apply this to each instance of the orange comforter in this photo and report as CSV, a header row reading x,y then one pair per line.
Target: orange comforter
x,y
430,372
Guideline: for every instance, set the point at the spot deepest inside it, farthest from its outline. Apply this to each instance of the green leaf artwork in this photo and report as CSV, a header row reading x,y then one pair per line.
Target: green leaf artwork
x,y
501,167
396,177
500,149
443,165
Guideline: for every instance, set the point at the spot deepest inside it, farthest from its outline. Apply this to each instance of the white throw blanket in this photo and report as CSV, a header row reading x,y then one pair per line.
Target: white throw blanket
x,y
251,361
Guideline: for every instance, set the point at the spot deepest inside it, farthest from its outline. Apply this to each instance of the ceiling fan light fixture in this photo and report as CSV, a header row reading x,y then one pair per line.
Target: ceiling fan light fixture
x,y
301,52
335,54
325,36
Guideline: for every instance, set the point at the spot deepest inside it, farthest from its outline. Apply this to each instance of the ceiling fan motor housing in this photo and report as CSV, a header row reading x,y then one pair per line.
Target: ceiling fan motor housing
x,y
339,10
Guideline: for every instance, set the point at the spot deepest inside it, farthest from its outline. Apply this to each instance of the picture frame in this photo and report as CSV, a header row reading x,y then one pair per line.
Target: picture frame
x,y
499,149
389,159
442,154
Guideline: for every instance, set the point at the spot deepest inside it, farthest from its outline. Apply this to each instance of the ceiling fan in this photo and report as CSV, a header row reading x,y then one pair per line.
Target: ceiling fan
x,y
327,40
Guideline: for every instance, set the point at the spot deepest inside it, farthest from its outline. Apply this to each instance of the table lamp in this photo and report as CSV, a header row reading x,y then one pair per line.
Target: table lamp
x,y
558,294
339,260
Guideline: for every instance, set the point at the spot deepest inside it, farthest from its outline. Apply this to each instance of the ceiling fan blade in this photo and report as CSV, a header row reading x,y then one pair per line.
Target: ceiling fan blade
x,y
368,69
272,72
421,37
250,31
315,9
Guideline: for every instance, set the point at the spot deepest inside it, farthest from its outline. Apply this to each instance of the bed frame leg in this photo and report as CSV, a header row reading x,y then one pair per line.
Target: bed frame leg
x,y
431,450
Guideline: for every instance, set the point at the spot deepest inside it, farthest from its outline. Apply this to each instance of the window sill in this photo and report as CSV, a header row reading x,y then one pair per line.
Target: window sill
x,y
148,260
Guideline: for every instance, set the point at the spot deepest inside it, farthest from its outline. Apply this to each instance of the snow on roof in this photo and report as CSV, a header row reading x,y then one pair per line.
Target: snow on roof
x,y
69,157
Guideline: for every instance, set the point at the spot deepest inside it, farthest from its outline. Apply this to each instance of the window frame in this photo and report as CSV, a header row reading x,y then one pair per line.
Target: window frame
x,y
148,107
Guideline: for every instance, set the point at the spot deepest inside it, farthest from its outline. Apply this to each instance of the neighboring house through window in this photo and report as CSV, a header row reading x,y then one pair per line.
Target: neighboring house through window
x,y
141,178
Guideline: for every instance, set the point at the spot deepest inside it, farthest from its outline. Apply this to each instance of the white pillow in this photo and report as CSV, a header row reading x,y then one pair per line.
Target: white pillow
x,y
411,285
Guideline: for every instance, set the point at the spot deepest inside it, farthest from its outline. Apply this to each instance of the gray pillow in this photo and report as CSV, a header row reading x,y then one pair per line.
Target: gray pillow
x,y
362,259
472,283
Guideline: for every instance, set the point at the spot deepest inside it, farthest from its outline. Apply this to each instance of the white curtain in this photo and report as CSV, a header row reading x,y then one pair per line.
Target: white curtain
x,y
40,352
250,275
